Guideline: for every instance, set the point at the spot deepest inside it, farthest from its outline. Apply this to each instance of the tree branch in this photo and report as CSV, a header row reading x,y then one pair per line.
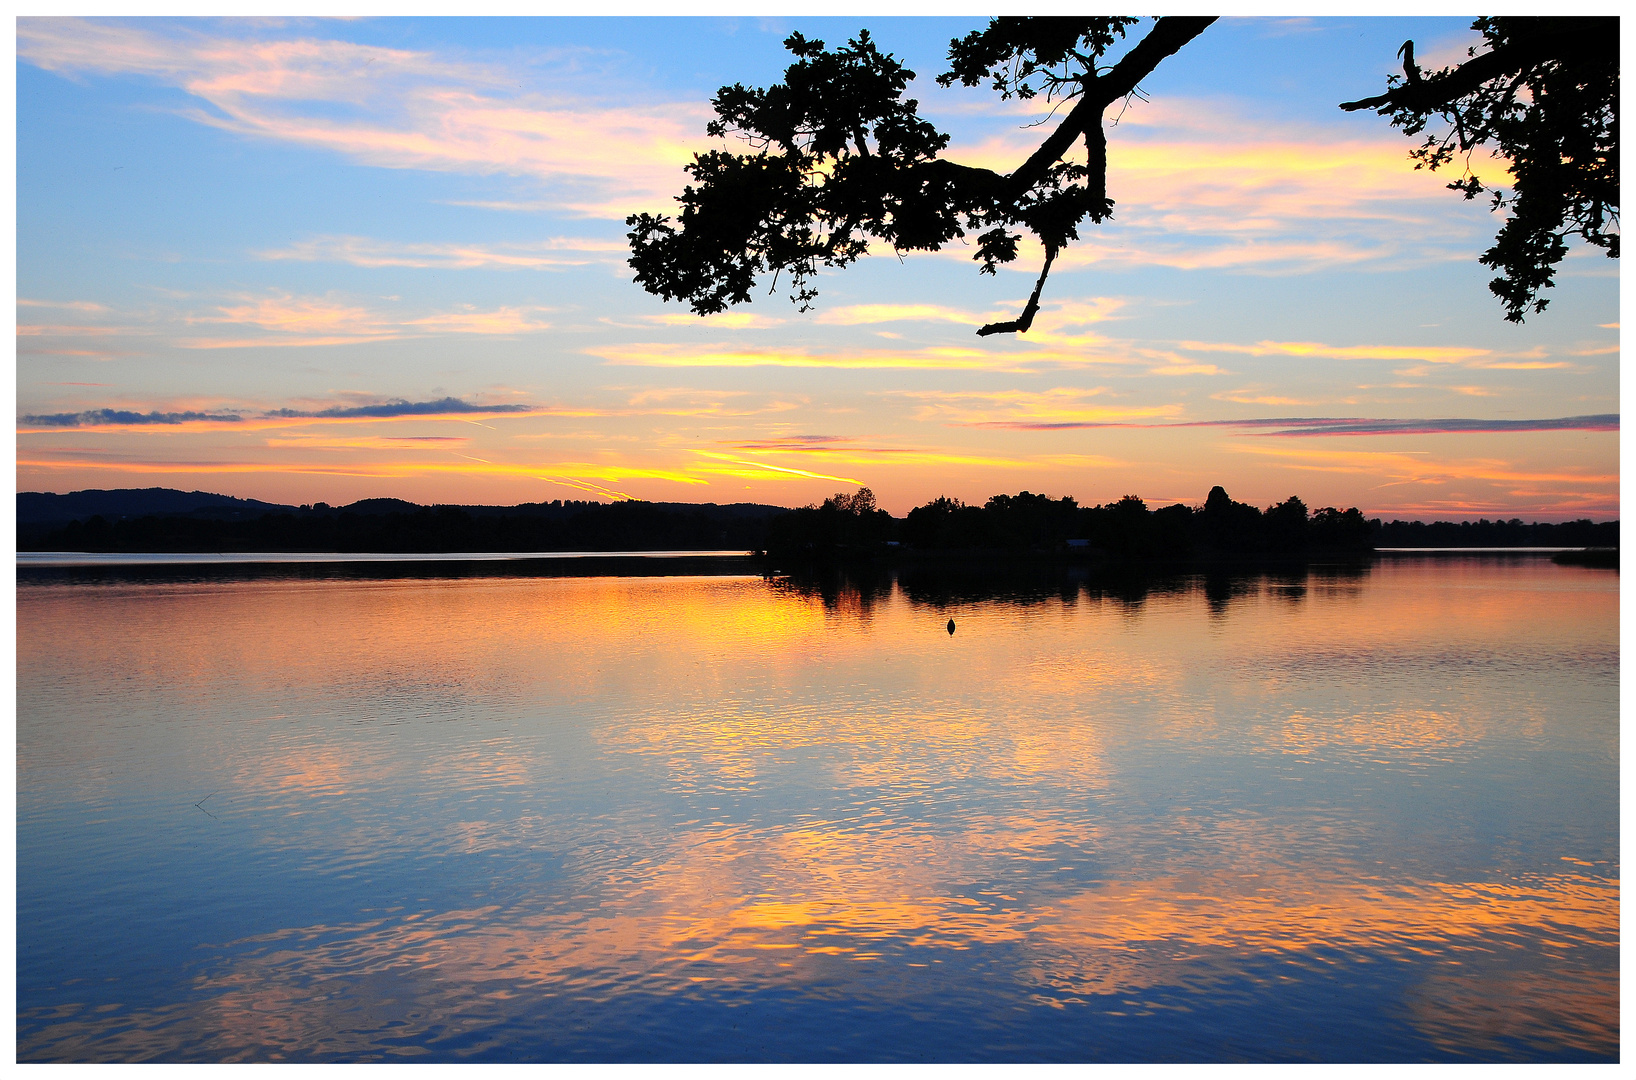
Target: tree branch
x,y
1546,38
1096,181
1430,94
1168,35
1021,324
1085,119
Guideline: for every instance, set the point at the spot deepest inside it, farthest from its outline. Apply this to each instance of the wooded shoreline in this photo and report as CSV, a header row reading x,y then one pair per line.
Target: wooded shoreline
x,y
843,527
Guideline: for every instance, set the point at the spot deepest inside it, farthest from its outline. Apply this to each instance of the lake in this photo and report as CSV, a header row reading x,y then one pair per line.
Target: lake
x,y
1336,814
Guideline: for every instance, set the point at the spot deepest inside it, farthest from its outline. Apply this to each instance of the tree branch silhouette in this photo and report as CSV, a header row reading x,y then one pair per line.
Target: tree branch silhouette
x,y
839,160
1545,97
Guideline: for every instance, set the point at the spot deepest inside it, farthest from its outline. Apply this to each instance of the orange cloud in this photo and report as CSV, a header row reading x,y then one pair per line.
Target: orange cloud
x,y
299,321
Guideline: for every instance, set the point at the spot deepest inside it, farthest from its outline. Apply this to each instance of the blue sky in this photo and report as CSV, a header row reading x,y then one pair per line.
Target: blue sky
x,y
314,260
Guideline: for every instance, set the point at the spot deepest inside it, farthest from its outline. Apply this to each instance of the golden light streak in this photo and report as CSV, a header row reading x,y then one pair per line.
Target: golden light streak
x,y
776,468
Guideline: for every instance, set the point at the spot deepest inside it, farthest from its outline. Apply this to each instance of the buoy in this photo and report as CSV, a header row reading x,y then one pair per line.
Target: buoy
x,y
951,626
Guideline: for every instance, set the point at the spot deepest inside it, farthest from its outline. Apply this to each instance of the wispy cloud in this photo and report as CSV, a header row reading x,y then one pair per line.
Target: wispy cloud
x,y
196,415
798,444
1434,354
935,358
1303,426
1199,185
539,255
867,314
723,320
1026,410
310,320
1294,426
394,108
368,442
448,406
70,305
1397,468
125,418
75,330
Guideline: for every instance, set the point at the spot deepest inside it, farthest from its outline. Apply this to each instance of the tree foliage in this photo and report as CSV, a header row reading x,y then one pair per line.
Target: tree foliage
x,y
840,159
1545,98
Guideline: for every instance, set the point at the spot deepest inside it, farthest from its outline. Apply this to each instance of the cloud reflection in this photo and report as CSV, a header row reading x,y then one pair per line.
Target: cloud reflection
x,y
602,797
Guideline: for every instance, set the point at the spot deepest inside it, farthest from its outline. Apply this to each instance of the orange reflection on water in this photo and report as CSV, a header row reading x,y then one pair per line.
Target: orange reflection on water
x,y
748,784
1126,938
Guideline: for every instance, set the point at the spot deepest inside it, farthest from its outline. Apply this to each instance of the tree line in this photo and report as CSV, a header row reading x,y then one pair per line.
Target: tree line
x,y
846,525
399,527
850,524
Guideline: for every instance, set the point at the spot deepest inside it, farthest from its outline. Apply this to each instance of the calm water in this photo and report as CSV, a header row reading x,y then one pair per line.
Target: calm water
x,y
1351,815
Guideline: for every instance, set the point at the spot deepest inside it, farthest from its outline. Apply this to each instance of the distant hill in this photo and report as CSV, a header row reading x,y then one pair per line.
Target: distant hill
x,y
44,508
163,519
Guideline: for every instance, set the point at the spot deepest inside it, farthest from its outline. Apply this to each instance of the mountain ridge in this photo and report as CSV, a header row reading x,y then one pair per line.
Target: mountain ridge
x,y
43,508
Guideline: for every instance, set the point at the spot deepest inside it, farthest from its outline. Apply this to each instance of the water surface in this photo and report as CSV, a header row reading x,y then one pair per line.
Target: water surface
x,y
1364,814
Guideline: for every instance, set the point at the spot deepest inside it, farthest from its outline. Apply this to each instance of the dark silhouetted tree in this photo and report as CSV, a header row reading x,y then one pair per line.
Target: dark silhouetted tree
x,y
840,157
1286,525
1545,97
845,523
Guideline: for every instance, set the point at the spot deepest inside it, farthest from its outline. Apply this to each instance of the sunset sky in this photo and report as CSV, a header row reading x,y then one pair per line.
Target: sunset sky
x,y
303,260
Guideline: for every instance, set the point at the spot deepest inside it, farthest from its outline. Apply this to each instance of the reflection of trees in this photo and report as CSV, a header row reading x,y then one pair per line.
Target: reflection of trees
x,y
858,589
852,590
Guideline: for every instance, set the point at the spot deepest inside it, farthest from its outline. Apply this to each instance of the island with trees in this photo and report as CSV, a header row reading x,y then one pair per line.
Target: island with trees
x,y
848,526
